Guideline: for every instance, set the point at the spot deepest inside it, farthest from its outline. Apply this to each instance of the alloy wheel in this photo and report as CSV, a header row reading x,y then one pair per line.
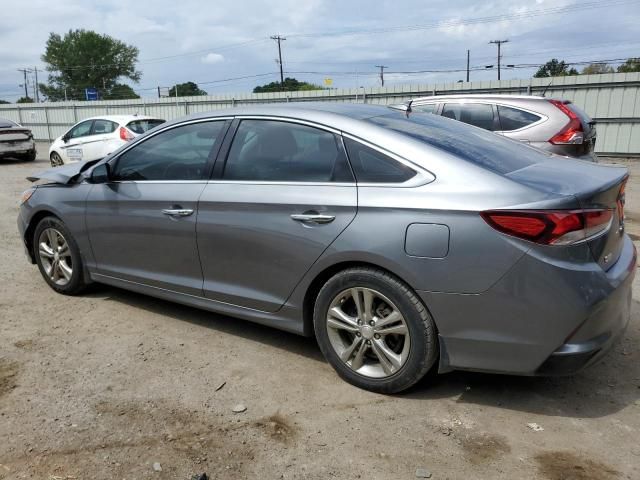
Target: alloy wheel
x,y
55,256
56,160
368,332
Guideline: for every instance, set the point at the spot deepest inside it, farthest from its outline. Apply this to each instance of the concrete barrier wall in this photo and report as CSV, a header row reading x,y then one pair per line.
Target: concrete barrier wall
x,y
613,100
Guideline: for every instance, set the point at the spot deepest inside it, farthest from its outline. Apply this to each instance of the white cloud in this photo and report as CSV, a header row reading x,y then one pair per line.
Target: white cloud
x,y
178,46
212,58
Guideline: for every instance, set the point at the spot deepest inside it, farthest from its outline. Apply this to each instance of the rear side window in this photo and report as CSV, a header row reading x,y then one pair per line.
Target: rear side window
x,y
372,166
477,114
101,127
514,118
276,151
141,126
427,108
485,149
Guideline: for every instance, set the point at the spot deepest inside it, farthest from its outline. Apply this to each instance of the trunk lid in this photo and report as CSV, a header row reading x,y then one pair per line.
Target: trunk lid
x,y
15,134
595,186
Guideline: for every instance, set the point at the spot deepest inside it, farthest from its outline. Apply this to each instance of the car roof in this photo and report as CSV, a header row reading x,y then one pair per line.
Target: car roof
x,y
334,115
479,96
122,118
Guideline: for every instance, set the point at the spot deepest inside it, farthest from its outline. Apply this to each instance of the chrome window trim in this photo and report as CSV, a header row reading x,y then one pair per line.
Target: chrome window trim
x,y
308,123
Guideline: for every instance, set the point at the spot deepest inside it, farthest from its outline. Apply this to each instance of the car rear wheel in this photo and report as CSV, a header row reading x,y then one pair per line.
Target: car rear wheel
x,y
30,157
56,160
374,330
58,257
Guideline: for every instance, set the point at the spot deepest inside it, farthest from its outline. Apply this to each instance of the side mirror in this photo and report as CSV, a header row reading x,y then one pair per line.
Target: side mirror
x,y
101,174
65,138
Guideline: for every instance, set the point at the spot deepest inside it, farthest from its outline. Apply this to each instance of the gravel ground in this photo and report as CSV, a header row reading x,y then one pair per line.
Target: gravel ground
x,y
116,385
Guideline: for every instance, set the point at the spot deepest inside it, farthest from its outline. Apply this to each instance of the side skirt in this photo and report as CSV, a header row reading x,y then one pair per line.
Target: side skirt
x,y
286,318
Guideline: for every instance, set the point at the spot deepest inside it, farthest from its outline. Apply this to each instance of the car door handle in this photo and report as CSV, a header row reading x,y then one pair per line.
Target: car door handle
x,y
313,218
177,212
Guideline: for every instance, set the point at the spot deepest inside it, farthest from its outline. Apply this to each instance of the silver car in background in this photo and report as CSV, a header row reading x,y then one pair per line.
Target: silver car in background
x,y
402,244
554,125
16,141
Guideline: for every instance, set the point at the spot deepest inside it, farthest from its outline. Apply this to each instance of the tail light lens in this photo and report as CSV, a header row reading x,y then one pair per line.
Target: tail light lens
x,y
572,132
125,134
557,227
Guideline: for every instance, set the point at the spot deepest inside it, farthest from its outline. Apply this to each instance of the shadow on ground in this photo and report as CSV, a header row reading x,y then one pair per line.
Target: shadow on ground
x,y
601,390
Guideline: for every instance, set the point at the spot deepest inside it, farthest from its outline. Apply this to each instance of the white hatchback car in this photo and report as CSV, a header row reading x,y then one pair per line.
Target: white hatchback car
x,y
96,137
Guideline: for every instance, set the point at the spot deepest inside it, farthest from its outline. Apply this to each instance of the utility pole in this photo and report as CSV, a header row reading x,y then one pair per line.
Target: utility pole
x,y
37,87
279,39
381,67
468,55
24,71
499,43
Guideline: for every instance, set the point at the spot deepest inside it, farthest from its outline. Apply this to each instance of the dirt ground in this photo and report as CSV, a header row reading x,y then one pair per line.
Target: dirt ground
x,y
105,385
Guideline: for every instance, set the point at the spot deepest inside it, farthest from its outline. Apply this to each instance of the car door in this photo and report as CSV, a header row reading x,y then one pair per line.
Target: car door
x,y
73,148
142,222
95,145
282,197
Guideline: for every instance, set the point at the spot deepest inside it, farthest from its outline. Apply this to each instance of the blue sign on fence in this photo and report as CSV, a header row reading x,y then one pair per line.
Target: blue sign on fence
x,y
91,93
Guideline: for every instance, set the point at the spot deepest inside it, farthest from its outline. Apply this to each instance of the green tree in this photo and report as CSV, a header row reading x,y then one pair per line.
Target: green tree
x,y
4,102
555,68
187,89
85,59
593,68
290,85
631,65
25,100
120,91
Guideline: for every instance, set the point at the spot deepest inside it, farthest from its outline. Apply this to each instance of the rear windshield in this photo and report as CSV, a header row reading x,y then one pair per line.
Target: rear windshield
x,y
141,126
4,123
481,147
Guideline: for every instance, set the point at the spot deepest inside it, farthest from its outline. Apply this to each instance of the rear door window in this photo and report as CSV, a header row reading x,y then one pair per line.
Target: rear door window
x,y
277,151
372,166
477,114
514,118
101,127
143,125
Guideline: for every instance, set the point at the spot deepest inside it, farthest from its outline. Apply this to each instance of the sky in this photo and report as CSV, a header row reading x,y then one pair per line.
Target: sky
x,y
225,46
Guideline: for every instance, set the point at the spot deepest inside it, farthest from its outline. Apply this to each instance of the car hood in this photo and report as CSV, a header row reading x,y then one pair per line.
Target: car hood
x,y
63,175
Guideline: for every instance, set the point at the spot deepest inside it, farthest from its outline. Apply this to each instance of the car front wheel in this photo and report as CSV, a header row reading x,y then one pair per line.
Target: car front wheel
x,y
374,330
58,257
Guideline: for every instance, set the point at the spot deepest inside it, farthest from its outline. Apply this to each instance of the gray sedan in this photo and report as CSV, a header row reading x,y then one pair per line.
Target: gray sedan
x,y
403,244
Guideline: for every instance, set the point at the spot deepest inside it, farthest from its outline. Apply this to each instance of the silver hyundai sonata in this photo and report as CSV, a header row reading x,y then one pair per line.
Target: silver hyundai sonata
x,y
403,243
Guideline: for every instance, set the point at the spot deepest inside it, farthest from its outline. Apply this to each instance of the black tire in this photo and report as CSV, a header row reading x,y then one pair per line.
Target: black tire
x,y
30,157
423,352
55,159
76,283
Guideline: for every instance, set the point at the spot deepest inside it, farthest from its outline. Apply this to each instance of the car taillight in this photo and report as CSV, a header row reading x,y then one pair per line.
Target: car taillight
x,y
572,132
550,227
125,134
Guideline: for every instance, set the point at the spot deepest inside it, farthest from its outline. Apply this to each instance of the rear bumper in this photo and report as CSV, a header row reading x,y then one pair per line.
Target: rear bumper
x,y
544,317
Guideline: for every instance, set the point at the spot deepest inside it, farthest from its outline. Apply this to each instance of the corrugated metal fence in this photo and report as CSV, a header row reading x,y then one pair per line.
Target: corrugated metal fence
x,y
613,100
